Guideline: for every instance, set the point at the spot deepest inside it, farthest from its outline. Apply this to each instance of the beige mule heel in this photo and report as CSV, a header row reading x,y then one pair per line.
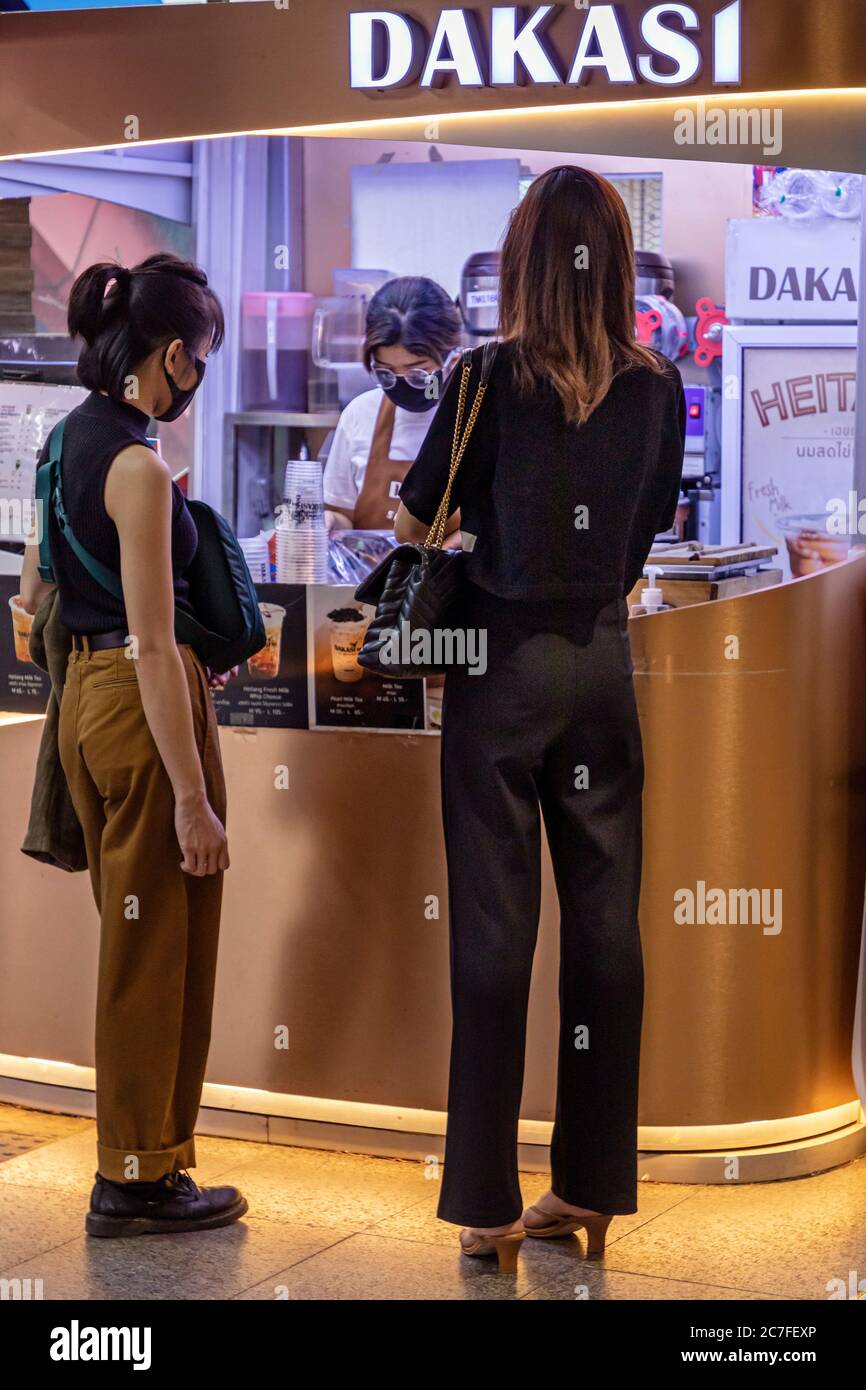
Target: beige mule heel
x,y
505,1248
595,1227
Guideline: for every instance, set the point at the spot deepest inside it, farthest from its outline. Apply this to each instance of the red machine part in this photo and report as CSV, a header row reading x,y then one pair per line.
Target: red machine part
x,y
708,332
647,323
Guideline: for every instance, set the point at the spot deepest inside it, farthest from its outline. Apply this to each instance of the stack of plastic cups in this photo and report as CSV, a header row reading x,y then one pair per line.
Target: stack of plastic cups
x,y
255,551
302,536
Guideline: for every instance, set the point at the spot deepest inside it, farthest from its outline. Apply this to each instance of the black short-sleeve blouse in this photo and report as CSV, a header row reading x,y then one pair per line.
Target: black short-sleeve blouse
x,y
551,509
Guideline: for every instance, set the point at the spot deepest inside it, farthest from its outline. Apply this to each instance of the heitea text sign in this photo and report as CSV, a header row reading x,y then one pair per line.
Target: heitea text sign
x,y
668,45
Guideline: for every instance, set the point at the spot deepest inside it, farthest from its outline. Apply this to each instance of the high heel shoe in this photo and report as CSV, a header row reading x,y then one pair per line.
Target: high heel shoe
x,y
595,1226
505,1248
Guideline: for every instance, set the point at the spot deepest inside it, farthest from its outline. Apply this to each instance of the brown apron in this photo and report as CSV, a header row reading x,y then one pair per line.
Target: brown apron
x,y
379,497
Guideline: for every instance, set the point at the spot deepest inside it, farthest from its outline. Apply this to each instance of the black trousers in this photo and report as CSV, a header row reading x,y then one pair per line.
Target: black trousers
x,y
550,730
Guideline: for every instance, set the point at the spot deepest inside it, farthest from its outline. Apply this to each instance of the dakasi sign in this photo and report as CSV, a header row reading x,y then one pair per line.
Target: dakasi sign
x,y
665,45
806,272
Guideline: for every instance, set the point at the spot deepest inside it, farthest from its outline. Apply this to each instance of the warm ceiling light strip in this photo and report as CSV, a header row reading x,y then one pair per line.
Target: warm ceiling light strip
x,y
358,129
708,98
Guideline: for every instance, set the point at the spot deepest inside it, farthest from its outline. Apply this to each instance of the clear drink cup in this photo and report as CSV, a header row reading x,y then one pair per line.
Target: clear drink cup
x,y
347,628
22,622
266,663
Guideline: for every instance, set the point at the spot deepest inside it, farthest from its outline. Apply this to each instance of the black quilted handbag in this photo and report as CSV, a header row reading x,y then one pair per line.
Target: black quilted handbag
x,y
415,587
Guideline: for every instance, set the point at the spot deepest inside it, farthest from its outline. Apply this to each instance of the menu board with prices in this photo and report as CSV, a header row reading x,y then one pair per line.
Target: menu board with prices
x,y
306,676
24,687
28,413
270,690
343,695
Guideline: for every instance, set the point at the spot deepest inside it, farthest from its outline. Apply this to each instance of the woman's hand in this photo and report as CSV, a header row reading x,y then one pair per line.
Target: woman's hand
x,y
219,682
201,837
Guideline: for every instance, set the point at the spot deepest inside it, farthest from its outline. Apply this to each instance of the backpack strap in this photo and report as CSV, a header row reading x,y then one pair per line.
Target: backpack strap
x,y
45,478
49,490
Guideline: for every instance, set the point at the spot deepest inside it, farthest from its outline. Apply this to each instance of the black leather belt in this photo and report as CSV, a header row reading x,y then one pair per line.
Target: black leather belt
x,y
100,641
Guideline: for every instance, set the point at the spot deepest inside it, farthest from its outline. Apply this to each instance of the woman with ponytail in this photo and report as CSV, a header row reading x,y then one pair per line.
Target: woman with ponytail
x,y
138,739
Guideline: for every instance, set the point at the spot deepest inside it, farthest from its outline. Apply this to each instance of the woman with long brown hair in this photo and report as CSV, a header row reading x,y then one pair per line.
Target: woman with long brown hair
x,y
573,467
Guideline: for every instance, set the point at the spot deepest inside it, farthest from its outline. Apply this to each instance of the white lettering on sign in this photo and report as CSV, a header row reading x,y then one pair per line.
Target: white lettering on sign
x,y
389,49
684,53
602,33
726,45
376,33
508,43
454,49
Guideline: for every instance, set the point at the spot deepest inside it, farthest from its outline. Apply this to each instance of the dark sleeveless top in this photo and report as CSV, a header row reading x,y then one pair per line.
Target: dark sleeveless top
x,y
95,432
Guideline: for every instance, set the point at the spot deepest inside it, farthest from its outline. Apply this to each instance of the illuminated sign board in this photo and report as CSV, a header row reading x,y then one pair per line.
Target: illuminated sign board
x,y
388,49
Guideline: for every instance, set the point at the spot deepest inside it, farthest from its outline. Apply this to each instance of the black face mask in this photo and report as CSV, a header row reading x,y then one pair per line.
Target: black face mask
x,y
411,397
181,399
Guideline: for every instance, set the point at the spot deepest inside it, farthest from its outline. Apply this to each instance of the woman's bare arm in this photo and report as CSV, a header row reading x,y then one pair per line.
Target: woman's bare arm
x,y
408,528
138,499
33,588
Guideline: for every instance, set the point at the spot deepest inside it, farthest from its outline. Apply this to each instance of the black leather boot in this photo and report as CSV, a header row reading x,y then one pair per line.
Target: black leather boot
x,y
174,1203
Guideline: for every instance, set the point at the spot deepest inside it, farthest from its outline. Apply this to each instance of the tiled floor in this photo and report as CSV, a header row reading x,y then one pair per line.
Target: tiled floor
x,y
23,1130
339,1226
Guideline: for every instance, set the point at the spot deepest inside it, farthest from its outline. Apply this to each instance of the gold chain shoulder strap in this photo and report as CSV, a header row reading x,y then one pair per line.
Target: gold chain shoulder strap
x,y
436,534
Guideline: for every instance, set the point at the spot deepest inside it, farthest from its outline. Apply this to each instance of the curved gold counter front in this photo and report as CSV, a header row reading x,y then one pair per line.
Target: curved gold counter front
x,y
754,719
335,933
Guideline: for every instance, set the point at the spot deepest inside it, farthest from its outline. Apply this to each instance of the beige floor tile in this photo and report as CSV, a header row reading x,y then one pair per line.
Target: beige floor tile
x,y
370,1268
24,1130
67,1165
593,1285
34,1220
203,1265
345,1192
784,1238
216,1156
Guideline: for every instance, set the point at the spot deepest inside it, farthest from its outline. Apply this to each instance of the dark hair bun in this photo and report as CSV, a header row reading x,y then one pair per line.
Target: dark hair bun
x,y
123,322
87,299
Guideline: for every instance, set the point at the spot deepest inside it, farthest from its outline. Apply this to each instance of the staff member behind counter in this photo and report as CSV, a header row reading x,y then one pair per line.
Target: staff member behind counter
x,y
413,328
